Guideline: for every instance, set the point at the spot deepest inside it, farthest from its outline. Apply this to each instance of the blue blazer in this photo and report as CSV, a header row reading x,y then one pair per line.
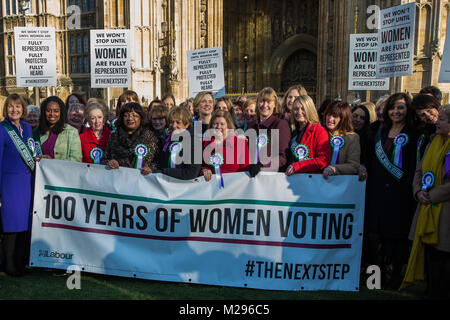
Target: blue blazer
x,y
16,183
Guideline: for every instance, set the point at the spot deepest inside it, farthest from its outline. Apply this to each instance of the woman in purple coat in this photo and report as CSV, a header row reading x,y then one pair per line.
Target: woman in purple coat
x,y
16,184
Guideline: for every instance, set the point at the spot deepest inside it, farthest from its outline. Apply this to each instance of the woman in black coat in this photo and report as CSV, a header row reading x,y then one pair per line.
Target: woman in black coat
x,y
178,150
390,198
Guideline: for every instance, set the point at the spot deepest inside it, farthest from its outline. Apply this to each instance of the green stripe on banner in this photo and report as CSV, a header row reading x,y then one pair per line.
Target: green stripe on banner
x,y
204,202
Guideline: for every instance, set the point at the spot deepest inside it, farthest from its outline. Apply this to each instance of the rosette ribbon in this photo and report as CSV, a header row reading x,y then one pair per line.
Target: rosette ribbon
x,y
336,142
96,155
216,160
301,152
140,152
400,141
261,142
113,125
427,180
174,149
447,165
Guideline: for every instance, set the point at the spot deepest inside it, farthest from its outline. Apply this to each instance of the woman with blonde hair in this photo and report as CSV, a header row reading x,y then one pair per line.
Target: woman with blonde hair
x,y
204,106
158,118
267,111
288,100
309,148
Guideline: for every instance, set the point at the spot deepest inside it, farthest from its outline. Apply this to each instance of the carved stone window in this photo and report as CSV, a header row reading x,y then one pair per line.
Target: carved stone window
x,y
300,67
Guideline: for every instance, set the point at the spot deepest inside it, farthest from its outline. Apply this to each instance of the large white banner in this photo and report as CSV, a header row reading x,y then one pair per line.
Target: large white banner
x,y
362,64
111,58
396,41
269,232
35,50
205,71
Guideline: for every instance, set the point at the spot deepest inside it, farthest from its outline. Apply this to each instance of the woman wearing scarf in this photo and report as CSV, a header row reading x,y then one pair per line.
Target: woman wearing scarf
x,y
390,201
16,184
132,145
310,150
96,136
177,156
59,140
430,230
344,142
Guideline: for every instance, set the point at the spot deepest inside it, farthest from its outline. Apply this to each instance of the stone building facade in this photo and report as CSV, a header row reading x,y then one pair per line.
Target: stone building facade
x,y
283,41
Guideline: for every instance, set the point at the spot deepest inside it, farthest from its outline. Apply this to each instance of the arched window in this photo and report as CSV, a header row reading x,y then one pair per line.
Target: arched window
x,y
10,50
86,43
300,67
14,6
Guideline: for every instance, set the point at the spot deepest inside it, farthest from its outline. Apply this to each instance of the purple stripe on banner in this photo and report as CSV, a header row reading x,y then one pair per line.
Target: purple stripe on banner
x,y
200,239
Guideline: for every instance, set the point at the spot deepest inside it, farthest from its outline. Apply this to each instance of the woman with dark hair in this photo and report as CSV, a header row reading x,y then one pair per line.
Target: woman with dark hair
x,y
361,124
225,152
430,231
390,196
237,113
17,164
322,108
76,103
125,97
75,98
344,142
59,140
427,110
169,101
132,145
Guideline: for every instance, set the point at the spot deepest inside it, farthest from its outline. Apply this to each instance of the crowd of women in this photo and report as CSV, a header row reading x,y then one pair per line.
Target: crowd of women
x,y
399,145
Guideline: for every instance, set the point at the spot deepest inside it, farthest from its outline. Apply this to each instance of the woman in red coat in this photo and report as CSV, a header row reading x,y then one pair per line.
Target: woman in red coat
x,y
310,150
231,150
95,138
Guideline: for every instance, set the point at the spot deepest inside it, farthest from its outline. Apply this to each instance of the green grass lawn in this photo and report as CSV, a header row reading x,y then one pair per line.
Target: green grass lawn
x,y
43,285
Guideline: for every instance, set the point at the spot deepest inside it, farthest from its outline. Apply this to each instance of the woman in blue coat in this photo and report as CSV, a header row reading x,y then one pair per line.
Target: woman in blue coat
x,y
16,184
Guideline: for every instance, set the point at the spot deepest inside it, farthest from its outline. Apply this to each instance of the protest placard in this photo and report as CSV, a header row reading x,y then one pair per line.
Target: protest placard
x,y
205,71
110,58
396,41
35,56
363,56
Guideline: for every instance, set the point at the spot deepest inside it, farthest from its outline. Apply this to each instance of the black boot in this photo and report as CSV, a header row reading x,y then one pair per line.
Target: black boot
x,y
21,252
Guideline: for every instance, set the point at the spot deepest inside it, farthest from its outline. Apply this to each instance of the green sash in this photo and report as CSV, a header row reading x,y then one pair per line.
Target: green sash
x,y
23,149
395,171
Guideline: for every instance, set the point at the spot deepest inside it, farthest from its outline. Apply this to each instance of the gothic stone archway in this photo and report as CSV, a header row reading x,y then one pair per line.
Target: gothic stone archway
x,y
294,61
